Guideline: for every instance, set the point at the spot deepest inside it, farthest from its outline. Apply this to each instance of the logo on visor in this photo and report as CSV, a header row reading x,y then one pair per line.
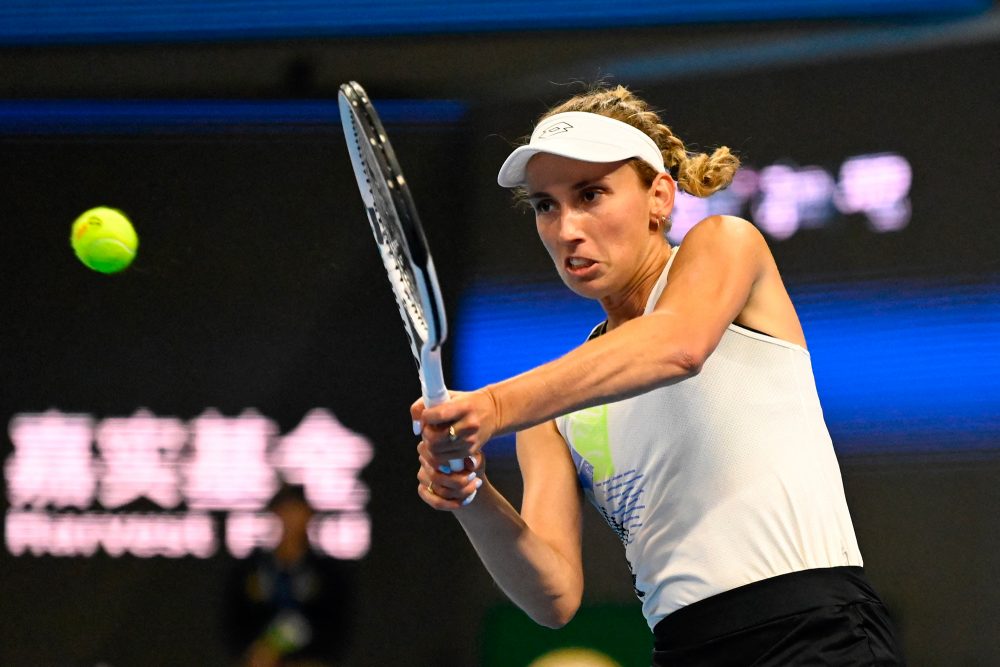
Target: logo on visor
x,y
558,128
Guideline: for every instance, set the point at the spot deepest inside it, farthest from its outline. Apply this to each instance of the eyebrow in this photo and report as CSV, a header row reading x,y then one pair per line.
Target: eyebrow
x,y
581,185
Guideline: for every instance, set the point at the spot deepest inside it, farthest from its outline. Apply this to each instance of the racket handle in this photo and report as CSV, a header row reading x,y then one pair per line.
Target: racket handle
x,y
432,376
435,393
434,397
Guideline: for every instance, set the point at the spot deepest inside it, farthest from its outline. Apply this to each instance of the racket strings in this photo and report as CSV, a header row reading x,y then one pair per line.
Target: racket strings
x,y
391,239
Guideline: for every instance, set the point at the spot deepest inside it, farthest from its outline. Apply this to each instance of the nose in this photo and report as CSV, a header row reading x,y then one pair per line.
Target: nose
x,y
570,225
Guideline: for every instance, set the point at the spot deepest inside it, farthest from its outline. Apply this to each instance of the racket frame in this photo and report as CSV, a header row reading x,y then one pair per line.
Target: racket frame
x,y
361,121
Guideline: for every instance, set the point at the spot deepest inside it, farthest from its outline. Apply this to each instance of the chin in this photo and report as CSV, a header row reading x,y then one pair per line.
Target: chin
x,y
584,288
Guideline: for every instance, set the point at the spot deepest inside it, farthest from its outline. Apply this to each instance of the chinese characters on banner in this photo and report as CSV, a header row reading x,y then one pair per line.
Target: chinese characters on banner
x,y
70,481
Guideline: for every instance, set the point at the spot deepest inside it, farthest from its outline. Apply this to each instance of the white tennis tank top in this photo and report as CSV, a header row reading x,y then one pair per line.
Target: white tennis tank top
x,y
719,480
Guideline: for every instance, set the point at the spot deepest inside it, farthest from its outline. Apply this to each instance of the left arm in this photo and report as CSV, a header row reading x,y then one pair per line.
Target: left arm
x,y
712,280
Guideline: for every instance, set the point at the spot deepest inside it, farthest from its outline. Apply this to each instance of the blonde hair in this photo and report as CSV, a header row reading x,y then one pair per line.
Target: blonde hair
x,y
698,174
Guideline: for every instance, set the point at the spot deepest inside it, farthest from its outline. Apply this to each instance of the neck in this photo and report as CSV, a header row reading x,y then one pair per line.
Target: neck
x,y
631,301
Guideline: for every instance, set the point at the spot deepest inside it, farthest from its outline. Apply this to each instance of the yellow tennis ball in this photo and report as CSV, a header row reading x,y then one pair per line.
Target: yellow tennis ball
x,y
104,239
574,657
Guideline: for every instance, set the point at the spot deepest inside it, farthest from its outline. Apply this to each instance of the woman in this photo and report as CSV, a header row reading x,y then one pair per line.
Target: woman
x,y
689,418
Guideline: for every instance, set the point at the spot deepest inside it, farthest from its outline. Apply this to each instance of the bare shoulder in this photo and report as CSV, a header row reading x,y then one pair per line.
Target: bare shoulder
x,y
725,273
734,243
725,243
728,229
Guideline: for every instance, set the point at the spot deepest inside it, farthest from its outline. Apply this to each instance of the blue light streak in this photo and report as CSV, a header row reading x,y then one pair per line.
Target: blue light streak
x,y
24,22
901,365
128,116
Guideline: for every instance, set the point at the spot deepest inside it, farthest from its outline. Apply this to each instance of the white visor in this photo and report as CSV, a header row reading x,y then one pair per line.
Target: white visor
x,y
580,135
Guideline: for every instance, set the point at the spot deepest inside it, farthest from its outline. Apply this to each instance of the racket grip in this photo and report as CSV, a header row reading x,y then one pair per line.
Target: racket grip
x,y
435,392
457,465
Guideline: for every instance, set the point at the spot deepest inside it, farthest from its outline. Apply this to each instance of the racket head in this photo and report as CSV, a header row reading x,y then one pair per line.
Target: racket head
x,y
395,224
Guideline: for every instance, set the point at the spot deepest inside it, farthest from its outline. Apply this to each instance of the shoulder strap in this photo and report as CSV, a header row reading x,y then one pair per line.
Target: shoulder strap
x,y
661,283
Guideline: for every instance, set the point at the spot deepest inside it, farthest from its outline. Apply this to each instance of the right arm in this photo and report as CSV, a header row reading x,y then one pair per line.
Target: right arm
x,y
535,555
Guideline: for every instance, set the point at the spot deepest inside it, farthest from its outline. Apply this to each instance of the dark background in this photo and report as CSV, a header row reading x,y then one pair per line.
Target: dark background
x,y
257,286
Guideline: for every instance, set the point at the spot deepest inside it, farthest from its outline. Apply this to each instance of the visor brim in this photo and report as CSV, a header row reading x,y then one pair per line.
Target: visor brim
x,y
513,172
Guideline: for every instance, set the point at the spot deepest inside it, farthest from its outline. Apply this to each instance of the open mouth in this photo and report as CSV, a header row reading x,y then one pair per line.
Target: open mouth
x,y
578,264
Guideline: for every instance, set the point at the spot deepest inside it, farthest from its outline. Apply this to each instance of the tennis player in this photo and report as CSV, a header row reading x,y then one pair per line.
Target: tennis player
x,y
689,418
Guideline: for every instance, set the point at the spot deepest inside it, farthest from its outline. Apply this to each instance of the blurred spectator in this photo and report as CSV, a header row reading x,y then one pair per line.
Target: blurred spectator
x,y
289,606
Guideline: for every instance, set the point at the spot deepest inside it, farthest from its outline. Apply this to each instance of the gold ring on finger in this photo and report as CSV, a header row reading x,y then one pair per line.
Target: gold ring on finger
x,y
452,436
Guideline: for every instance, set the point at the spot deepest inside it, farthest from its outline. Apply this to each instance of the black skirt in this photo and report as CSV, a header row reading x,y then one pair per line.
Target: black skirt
x,y
828,616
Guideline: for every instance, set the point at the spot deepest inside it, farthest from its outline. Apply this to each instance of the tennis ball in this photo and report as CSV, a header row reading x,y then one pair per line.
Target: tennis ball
x,y
574,657
104,239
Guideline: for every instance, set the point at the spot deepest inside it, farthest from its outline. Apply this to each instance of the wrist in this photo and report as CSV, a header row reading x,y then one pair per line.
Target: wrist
x,y
492,393
479,501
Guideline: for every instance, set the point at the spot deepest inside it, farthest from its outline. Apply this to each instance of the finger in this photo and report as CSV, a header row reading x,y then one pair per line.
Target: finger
x,y
443,455
446,485
458,484
435,501
470,463
446,450
445,413
434,462
425,481
438,432
447,435
454,495
435,472
467,429
473,485
452,499
440,460
446,491
442,449
417,409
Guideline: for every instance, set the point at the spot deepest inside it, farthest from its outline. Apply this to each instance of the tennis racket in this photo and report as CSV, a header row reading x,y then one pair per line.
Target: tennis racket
x,y
400,239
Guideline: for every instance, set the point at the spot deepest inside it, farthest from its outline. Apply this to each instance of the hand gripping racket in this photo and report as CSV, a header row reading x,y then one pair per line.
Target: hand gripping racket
x,y
400,239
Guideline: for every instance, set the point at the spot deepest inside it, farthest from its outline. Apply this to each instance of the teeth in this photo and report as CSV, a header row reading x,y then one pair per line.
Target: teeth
x,y
578,262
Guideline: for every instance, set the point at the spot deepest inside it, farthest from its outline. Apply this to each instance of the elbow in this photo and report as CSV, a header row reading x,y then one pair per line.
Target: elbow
x,y
557,616
558,610
673,351
686,362
554,623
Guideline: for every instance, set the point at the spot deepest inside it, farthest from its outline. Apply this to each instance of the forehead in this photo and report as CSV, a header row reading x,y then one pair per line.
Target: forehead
x,y
545,172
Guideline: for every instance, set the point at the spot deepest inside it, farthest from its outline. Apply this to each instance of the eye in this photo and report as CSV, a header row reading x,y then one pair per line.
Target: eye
x,y
543,206
590,195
